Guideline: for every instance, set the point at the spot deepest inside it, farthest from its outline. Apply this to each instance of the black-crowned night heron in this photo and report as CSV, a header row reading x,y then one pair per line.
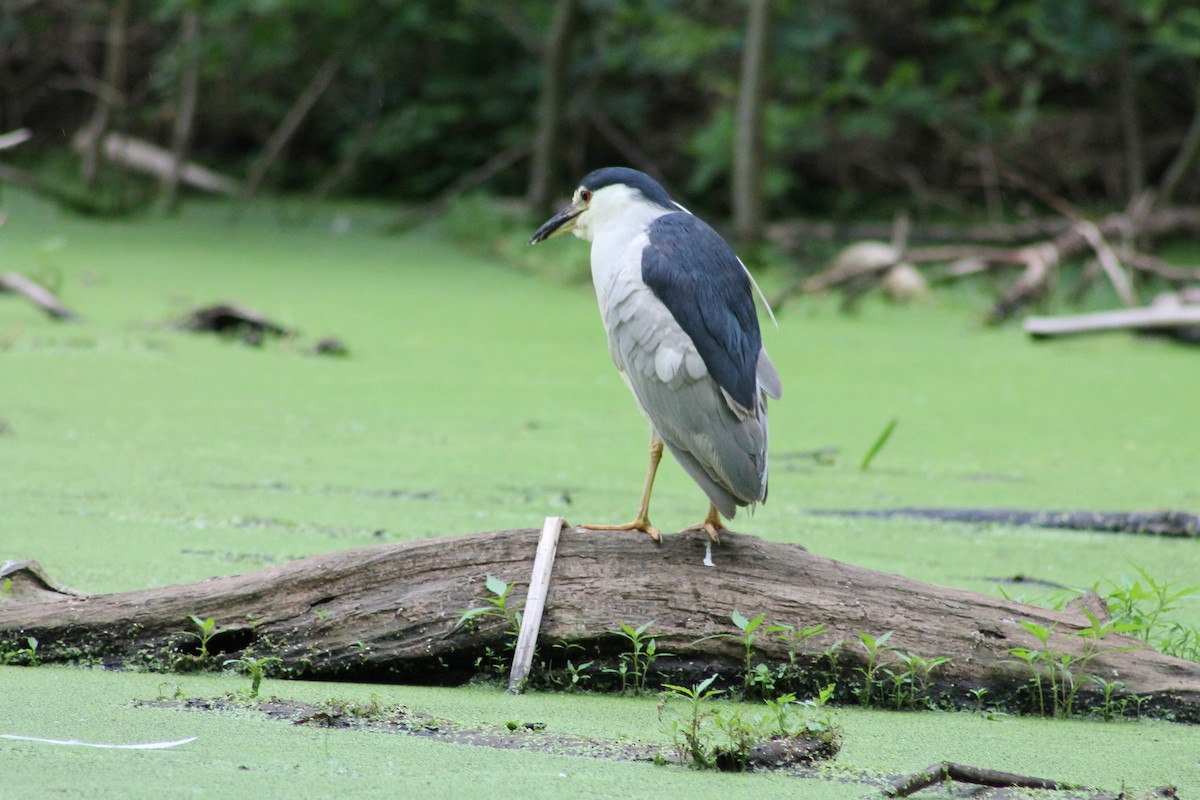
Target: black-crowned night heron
x,y
678,307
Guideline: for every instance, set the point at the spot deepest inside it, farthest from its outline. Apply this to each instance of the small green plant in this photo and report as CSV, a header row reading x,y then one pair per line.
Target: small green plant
x,y
577,675
634,666
176,694
875,648
1053,671
748,628
497,606
1181,641
572,677
256,668
692,744
206,629
708,734
1145,604
909,676
1115,701
1141,606
6,589
795,637
14,655
831,658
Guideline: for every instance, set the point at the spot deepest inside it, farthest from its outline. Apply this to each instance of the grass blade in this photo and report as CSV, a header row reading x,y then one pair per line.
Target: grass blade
x,y
879,443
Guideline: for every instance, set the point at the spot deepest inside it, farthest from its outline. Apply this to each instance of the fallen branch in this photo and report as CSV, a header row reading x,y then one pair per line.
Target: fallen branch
x,y
390,613
37,294
964,773
1162,318
863,265
147,158
1151,523
14,138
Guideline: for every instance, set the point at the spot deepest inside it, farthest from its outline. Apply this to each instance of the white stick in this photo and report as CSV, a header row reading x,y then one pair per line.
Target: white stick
x,y
1133,318
77,743
535,602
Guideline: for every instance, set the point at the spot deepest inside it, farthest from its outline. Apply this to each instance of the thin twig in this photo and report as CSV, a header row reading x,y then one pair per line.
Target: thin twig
x,y
37,294
1117,275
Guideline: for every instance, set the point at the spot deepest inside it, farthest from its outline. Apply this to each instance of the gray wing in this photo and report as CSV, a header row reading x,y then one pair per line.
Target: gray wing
x,y
720,443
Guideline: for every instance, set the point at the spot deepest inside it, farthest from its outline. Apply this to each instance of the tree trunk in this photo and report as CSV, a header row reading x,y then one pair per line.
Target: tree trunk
x,y
112,91
389,613
1135,169
290,124
747,147
185,113
551,103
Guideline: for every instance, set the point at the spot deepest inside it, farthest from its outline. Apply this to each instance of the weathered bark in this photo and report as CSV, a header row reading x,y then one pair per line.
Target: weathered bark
x,y
390,612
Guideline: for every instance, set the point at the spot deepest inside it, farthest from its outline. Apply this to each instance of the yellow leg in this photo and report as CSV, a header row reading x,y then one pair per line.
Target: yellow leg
x,y
712,524
642,521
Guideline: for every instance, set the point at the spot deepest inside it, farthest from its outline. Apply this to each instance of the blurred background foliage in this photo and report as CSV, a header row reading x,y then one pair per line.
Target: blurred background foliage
x,y
937,106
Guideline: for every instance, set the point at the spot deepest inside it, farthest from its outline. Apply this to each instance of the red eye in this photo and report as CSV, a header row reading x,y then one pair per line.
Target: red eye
x,y
585,195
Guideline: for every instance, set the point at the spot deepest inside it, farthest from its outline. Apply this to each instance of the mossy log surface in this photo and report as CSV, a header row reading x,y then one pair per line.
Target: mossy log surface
x,y
390,613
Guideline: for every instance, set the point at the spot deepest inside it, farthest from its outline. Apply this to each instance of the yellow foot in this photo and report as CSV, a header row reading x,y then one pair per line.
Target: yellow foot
x,y
712,525
642,525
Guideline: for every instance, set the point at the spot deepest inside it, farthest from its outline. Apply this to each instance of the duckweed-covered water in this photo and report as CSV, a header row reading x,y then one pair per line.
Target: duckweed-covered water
x,y
478,398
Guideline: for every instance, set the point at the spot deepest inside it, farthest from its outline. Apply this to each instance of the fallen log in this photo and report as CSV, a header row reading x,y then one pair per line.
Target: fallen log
x,y
965,773
147,158
391,612
1151,523
1177,319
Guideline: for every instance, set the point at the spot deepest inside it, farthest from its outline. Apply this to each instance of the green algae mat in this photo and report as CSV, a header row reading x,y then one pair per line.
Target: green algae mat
x,y
472,397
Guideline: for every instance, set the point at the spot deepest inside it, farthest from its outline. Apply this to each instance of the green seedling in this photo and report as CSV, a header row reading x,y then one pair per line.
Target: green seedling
x,y
748,628
708,734
691,743
635,663
1143,603
909,675
206,629
254,667
497,606
1053,671
789,674
25,656
875,648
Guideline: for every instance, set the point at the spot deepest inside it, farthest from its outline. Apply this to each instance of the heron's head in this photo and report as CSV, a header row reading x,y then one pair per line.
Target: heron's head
x,y
606,196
